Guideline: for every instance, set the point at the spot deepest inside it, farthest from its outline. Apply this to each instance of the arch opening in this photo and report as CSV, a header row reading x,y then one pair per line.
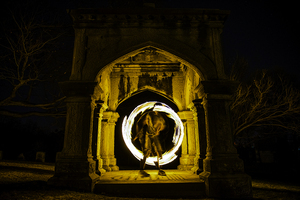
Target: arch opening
x,y
145,74
167,123
125,159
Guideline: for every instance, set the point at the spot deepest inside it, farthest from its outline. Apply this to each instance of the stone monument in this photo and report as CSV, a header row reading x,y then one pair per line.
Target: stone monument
x,y
175,53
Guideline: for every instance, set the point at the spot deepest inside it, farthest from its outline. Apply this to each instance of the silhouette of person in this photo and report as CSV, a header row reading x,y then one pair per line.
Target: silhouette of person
x,y
148,128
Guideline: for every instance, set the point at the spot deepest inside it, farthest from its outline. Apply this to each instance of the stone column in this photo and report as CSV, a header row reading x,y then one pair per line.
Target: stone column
x,y
98,113
107,150
223,170
188,152
75,167
200,131
184,149
79,54
214,34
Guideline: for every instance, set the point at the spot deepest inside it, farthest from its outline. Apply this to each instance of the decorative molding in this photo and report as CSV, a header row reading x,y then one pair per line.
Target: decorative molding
x,y
105,17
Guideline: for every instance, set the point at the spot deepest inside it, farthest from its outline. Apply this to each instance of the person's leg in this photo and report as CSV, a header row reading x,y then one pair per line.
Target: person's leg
x,y
143,161
158,150
146,152
160,171
142,165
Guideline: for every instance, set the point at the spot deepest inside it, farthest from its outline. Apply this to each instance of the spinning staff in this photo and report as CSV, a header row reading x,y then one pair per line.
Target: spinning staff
x,y
148,128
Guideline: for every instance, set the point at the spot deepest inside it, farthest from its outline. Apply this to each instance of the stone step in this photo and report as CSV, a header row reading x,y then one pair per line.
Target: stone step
x,y
177,184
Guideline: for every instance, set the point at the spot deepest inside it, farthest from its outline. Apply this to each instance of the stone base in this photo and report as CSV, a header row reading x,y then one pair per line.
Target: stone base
x,y
110,164
79,183
114,167
113,164
106,168
200,167
99,166
186,163
234,186
185,167
195,169
74,172
100,171
110,168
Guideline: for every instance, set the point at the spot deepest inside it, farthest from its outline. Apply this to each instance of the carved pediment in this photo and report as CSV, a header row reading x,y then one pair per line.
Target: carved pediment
x,y
149,55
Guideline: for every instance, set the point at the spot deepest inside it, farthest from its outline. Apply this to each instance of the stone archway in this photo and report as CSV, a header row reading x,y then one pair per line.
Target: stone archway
x,y
147,69
175,52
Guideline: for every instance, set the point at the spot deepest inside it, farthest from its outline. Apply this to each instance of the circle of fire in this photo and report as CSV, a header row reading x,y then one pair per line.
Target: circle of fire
x,y
127,124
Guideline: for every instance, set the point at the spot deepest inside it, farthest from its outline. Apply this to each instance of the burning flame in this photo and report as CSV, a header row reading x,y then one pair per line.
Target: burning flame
x,y
127,124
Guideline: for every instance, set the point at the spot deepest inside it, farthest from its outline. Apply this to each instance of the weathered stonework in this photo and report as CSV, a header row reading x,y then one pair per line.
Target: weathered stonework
x,y
107,140
223,171
175,53
188,155
75,166
98,114
199,117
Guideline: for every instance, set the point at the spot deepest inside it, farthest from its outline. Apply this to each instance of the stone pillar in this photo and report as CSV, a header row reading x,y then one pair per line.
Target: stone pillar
x,y
214,34
184,151
74,166
223,170
188,152
200,131
107,150
79,53
98,113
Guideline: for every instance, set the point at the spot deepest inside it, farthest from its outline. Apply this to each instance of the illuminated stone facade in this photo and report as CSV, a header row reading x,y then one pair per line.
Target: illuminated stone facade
x,y
119,53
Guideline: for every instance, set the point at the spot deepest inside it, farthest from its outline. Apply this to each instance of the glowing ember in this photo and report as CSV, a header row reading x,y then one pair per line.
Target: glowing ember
x,y
169,155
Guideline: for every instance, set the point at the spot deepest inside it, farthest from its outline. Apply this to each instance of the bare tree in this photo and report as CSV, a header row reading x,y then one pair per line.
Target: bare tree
x,y
269,100
27,49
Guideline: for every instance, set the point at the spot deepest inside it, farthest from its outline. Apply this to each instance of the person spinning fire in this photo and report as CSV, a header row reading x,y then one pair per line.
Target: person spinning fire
x,y
148,128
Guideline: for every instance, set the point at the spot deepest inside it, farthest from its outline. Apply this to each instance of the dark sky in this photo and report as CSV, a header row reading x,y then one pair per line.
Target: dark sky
x,y
262,32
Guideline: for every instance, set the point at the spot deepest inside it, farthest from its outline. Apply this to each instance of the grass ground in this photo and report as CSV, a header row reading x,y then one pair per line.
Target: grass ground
x,y
28,180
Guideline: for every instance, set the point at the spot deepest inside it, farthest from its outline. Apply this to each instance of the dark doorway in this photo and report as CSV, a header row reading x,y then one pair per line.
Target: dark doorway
x,y
125,159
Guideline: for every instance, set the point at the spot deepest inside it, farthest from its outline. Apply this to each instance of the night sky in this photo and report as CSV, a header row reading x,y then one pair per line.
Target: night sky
x,y
263,33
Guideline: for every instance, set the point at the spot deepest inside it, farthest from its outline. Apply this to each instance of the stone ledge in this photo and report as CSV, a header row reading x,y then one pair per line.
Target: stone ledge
x,y
151,17
176,184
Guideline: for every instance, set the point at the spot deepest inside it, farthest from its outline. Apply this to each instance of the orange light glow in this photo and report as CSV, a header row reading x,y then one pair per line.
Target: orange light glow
x,y
169,155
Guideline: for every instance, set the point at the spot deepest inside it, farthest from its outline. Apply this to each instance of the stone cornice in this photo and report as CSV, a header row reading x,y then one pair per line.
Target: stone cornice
x,y
108,17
